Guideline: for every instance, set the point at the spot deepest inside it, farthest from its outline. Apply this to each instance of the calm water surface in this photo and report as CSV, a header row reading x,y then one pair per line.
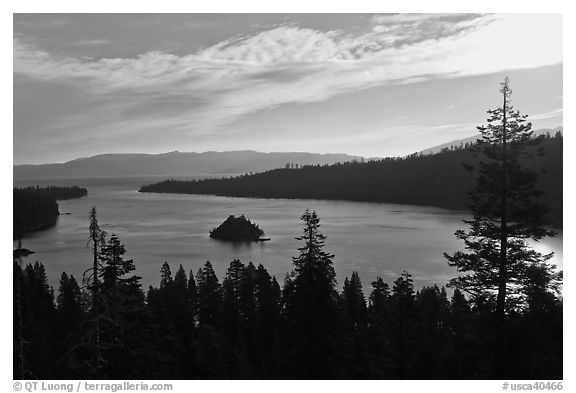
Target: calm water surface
x,y
374,239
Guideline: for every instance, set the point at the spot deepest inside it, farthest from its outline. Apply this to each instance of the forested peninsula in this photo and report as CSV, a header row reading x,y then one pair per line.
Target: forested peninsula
x,y
439,180
59,193
35,208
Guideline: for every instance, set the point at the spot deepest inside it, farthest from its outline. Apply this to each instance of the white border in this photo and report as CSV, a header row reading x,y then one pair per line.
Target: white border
x,y
292,6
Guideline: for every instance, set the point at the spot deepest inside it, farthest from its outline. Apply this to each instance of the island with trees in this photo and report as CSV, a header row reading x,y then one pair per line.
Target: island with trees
x,y
239,229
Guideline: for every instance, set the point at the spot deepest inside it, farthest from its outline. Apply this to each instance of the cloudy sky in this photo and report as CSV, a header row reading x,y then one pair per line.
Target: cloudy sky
x,y
364,84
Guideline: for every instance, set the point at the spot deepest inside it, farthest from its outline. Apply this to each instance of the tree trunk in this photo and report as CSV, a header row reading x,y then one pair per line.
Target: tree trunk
x,y
499,350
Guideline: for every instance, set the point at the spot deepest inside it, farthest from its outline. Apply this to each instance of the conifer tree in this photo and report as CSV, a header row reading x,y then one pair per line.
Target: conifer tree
x,y
165,276
311,305
193,297
379,297
122,299
267,303
355,300
180,299
97,238
69,301
246,299
402,322
506,214
209,296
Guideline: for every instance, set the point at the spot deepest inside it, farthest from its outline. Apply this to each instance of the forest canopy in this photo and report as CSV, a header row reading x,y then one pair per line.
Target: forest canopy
x,y
430,180
35,208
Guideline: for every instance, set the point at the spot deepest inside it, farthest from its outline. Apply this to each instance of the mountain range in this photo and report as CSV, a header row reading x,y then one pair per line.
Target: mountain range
x,y
190,163
177,164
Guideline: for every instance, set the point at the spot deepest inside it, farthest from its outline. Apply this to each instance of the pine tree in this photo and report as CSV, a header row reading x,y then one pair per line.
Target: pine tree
x,y
122,300
432,310
193,297
402,323
165,276
355,300
379,297
209,296
506,214
267,315
69,301
96,237
246,299
311,306
38,322
181,295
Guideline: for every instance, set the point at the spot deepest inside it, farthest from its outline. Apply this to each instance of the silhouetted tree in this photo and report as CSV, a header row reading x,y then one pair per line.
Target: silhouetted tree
x,y
505,215
355,300
122,299
165,276
193,297
97,238
209,295
379,297
69,301
311,306
402,323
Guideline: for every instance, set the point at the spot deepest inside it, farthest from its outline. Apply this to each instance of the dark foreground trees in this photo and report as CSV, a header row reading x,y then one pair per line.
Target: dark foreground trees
x,y
500,271
246,326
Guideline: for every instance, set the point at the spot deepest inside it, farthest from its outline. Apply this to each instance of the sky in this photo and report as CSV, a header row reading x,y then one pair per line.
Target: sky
x,y
373,85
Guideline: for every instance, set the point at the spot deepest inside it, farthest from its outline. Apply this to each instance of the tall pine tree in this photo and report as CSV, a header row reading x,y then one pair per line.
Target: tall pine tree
x,y
311,306
506,214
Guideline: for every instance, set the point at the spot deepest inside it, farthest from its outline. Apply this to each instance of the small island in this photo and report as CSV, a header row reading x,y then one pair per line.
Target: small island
x,y
238,229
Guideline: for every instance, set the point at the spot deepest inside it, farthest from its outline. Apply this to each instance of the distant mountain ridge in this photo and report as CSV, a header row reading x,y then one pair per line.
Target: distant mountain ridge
x,y
177,164
472,139
438,180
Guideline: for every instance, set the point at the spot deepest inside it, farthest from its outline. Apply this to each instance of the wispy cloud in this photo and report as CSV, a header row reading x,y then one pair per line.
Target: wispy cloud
x,y
214,86
91,42
547,115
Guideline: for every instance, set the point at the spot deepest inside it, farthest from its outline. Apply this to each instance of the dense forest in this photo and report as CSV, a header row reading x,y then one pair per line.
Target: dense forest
x,y
432,180
35,208
32,211
59,193
247,325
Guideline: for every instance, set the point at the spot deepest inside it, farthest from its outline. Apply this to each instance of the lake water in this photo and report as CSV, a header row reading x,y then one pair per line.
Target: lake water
x,y
374,239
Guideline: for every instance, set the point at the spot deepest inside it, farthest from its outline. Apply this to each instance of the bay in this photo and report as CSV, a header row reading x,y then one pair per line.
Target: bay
x,y
373,239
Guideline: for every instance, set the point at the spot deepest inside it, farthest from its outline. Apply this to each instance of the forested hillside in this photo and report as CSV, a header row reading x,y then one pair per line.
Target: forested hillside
x,y
59,193
434,180
32,211
35,208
